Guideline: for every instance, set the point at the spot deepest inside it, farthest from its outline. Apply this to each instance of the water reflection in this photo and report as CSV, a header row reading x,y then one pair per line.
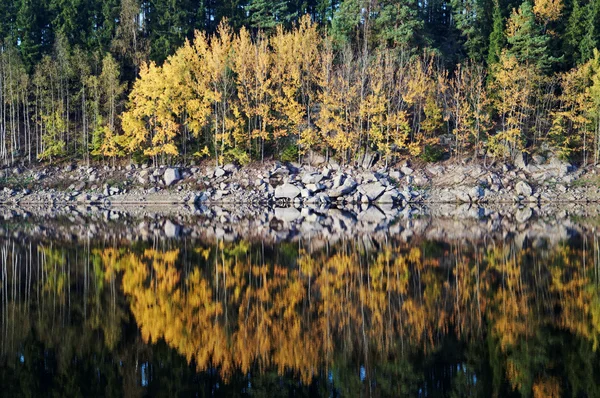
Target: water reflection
x,y
364,316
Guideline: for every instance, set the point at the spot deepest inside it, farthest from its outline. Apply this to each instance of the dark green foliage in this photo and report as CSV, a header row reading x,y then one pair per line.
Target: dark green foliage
x,y
497,38
289,154
265,14
432,153
528,43
591,31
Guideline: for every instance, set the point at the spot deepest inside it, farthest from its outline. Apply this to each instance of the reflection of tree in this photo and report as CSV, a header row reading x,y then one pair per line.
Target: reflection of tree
x,y
385,316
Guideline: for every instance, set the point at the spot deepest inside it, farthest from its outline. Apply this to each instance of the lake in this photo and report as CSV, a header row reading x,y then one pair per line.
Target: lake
x,y
433,302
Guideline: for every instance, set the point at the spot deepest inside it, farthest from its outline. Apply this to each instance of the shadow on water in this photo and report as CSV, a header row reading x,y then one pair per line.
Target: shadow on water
x,y
472,302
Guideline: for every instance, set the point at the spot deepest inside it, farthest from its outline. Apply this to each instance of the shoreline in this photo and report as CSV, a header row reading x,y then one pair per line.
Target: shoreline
x,y
274,183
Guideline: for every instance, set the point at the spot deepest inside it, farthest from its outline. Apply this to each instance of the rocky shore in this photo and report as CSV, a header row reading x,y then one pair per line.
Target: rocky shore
x,y
444,222
538,181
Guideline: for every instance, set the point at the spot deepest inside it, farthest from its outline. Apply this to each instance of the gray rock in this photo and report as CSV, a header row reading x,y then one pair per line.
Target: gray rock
x,y
230,168
312,178
372,190
338,180
523,188
315,187
369,160
407,170
286,191
171,176
219,172
347,188
520,161
476,193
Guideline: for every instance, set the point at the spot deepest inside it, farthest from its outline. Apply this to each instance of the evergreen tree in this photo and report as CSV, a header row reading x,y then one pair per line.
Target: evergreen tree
x,y
346,21
473,18
397,24
31,31
574,31
527,43
497,38
169,22
8,16
266,14
591,29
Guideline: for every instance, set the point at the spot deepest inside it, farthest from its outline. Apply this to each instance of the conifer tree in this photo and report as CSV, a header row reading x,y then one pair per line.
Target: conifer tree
x,y
527,42
266,15
497,38
574,32
591,36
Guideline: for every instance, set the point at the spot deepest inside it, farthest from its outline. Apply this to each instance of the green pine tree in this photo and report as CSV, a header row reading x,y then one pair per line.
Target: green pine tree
x,y
574,31
526,40
30,31
266,15
591,31
397,23
497,38
473,18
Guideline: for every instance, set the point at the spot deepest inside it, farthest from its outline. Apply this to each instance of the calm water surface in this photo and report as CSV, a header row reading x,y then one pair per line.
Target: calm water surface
x,y
384,314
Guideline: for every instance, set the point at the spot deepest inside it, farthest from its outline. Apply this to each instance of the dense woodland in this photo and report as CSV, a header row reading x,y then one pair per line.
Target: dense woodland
x,y
243,80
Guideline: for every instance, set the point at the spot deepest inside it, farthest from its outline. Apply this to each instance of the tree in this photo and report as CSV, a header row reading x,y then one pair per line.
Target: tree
x,y
527,41
31,31
497,37
513,85
574,31
473,19
591,36
266,15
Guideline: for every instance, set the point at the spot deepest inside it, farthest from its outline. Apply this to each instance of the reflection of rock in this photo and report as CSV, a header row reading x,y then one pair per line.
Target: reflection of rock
x,y
523,214
287,214
171,229
319,220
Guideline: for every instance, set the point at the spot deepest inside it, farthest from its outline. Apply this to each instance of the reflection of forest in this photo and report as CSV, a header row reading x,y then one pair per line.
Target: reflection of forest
x,y
384,317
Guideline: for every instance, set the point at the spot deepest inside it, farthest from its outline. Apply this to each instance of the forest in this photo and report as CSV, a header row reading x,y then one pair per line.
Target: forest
x,y
173,81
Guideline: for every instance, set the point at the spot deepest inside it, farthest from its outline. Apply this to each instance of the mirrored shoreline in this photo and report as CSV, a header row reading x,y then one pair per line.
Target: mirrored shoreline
x,y
429,302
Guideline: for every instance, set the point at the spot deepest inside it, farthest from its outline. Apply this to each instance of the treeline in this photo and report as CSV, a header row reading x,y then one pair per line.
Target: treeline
x,y
265,78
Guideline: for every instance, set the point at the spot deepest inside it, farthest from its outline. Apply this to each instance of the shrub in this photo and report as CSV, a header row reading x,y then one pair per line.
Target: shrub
x,y
289,154
432,153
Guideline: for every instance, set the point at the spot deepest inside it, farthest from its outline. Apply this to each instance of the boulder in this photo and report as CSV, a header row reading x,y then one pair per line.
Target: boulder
x,y
313,178
219,172
346,188
171,176
369,160
523,189
406,170
476,192
286,191
372,190
315,187
520,160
